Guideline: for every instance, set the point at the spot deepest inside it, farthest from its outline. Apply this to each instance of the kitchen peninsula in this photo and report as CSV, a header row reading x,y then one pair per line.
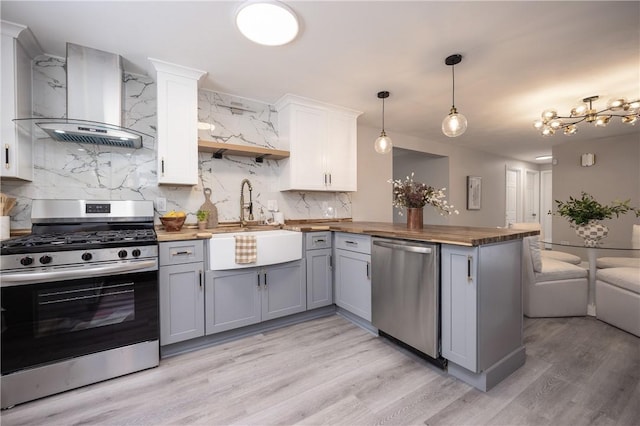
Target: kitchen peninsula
x,y
480,287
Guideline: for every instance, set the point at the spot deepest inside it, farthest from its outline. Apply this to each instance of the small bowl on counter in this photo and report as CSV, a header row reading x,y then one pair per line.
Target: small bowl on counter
x,y
172,224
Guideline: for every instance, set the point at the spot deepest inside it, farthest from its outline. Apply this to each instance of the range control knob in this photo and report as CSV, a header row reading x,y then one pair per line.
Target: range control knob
x,y
87,256
122,254
26,261
45,259
135,253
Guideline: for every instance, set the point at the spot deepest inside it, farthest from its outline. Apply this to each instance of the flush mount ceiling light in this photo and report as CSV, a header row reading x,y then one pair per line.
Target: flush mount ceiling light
x,y
383,144
454,124
266,22
550,121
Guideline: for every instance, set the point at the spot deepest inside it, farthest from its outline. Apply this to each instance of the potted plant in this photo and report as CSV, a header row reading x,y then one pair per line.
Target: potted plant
x,y
202,216
584,213
414,196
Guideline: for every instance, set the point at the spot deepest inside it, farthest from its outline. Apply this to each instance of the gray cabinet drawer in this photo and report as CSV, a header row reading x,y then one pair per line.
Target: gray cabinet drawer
x,y
317,240
354,242
177,252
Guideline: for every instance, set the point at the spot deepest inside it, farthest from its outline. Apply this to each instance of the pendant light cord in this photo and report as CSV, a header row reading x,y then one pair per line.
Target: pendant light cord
x,y
453,86
383,114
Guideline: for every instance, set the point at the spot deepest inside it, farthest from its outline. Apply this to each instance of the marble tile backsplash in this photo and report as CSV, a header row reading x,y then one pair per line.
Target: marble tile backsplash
x,y
64,170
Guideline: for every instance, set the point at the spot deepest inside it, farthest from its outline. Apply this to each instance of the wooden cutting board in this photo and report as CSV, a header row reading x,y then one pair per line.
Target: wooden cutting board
x,y
212,220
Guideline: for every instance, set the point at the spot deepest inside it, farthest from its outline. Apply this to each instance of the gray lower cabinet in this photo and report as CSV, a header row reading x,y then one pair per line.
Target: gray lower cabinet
x,y
353,273
181,282
241,297
481,299
318,260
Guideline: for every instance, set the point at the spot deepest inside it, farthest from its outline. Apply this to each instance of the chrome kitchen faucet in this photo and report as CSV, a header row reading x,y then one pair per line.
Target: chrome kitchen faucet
x,y
244,206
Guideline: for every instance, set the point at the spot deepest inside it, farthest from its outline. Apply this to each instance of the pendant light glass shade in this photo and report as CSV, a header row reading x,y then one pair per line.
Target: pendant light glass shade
x,y
455,123
383,144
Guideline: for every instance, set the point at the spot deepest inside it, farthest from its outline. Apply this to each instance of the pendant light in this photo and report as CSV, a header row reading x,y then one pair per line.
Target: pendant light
x,y
383,144
454,124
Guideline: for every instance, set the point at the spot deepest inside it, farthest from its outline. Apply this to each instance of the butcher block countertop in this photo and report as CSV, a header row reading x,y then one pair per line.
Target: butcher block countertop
x,y
457,235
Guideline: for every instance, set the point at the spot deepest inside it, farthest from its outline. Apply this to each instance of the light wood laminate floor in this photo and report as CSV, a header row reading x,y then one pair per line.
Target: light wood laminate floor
x,y
579,371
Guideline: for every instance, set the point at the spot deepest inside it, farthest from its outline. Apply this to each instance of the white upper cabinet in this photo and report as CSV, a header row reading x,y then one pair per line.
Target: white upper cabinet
x,y
322,140
19,47
177,123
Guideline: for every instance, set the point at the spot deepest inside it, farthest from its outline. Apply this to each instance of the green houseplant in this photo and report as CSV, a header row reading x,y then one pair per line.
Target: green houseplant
x,y
584,213
202,216
581,211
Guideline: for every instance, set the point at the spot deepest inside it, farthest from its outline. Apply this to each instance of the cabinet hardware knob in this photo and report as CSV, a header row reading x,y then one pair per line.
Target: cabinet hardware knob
x,y
200,277
265,280
6,156
469,276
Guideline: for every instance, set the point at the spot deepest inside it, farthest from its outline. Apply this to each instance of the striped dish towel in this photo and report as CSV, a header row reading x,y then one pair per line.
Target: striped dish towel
x,y
246,249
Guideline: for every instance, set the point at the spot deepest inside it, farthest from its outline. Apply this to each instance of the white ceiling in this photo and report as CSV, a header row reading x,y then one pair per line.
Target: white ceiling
x,y
518,57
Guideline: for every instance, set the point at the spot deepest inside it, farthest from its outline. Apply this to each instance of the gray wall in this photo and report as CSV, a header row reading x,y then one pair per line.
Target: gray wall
x,y
615,176
372,202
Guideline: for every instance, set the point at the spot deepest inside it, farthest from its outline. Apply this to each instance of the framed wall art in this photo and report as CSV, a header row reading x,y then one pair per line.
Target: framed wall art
x,y
474,192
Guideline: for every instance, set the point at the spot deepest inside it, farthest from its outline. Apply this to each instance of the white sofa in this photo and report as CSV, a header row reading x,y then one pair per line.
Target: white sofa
x,y
551,288
552,254
618,298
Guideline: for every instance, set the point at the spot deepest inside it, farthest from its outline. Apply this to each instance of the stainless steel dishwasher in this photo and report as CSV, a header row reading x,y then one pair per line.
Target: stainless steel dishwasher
x,y
406,292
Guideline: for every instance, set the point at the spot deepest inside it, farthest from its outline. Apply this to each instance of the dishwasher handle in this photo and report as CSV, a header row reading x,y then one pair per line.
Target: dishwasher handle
x,y
412,249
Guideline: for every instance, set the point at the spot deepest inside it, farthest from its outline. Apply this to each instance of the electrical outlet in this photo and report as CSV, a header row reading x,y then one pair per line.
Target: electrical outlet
x,y
272,205
161,204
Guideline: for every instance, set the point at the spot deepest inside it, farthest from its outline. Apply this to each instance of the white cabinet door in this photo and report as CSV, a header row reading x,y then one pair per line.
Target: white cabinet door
x,y
319,280
341,155
17,143
459,306
283,290
232,299
181,302
177,141
353,282
308,133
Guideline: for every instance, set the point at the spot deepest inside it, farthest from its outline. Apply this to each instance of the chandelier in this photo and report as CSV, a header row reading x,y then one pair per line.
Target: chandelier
x,y
551,122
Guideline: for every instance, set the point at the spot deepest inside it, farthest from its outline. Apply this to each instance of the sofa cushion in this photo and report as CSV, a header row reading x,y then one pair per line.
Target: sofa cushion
x,y
562,256
627,278
554,270
618,262
534,250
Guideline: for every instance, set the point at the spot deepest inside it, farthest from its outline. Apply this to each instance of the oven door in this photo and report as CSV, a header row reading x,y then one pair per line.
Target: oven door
x,y
52,321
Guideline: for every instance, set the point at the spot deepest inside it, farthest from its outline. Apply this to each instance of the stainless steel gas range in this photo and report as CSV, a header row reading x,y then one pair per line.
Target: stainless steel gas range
x,y
79,301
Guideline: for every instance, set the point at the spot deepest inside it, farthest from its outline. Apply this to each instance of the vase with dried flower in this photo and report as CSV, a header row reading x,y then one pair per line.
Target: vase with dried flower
x,y
413,196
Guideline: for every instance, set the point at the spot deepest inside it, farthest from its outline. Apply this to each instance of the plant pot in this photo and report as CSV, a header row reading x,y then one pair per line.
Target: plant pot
x,y
414,217
202,225
592,233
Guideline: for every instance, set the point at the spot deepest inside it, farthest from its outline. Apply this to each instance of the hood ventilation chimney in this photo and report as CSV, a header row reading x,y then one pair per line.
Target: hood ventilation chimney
x,y
95,95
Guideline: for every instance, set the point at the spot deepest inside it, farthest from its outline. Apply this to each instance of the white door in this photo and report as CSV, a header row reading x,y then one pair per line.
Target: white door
x,y
532,196
546,203
513,193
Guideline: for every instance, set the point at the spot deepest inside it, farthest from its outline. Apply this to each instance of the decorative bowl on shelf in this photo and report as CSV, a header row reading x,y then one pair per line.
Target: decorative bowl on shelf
x,y
172,224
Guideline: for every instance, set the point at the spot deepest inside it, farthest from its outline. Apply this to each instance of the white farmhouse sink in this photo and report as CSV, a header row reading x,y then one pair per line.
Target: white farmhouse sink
x,y
274,246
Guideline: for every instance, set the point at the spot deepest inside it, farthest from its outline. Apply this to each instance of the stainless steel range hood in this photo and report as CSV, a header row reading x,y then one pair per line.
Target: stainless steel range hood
x,y
94,101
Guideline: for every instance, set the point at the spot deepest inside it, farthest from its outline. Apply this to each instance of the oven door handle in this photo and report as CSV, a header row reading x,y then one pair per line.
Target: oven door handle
x,y
25,277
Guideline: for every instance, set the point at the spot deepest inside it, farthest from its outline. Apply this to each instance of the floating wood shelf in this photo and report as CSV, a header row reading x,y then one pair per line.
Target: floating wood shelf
x,y
219,149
